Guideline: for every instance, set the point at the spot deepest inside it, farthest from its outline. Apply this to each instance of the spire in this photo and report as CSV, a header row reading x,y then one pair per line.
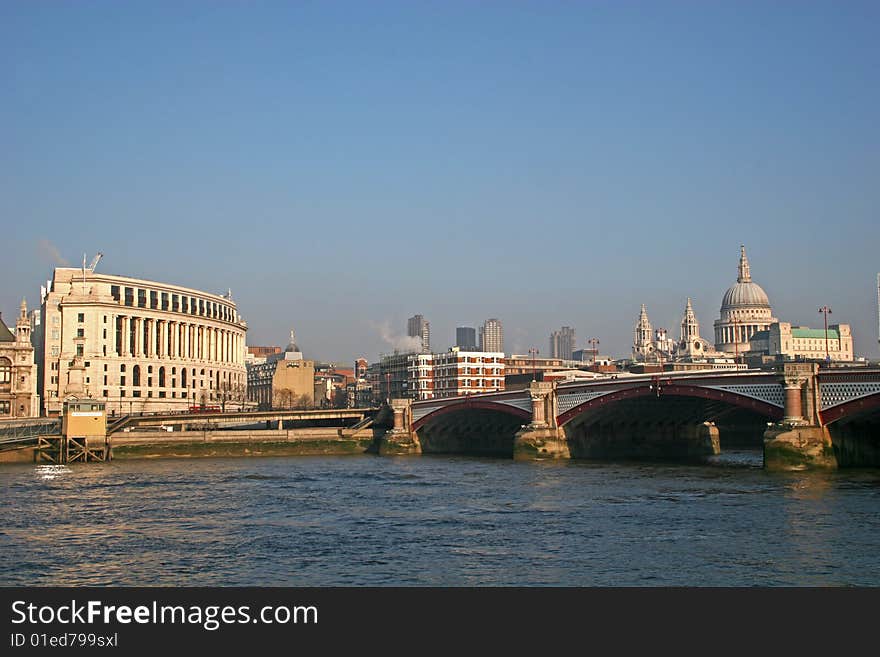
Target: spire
x,y
690,327
23,309
744,274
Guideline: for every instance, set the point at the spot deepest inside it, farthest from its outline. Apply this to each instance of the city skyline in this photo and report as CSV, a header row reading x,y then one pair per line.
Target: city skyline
x,y
474,135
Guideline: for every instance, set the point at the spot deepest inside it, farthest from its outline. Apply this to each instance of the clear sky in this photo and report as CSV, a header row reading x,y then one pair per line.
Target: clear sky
x,y
342,166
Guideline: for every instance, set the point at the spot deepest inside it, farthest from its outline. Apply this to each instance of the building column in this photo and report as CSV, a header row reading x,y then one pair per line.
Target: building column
x,y
138,336
152,334
124,335
185,327
163,339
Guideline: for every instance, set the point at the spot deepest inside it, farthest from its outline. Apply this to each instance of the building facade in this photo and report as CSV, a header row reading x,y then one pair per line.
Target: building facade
x,y
419,327
457,373
284,380
140,345
420,376
804,343
466,338
563,343
18,369
492,336
745,310
690,351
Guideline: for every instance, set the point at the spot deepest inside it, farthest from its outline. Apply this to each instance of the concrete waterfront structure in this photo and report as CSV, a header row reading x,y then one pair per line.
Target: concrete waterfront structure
x,y
492,336
139,345
18,369
745,310
419,327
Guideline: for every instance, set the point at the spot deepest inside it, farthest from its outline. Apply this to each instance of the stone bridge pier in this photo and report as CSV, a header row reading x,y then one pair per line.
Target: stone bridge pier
x,y
542,438
799,441
400,440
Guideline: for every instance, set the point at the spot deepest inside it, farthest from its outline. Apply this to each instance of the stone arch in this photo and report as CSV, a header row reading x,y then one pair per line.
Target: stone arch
x,y
673,390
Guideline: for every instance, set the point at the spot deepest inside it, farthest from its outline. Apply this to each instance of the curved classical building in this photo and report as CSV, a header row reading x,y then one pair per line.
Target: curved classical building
x,y
139,345
745,310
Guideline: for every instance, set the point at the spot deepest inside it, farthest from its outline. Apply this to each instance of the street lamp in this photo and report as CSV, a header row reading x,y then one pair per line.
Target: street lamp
x,y
534,352
594,350
825,310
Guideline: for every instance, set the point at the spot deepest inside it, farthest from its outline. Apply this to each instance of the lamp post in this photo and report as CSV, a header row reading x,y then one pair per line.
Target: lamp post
x,y
595,351
825,310
534,352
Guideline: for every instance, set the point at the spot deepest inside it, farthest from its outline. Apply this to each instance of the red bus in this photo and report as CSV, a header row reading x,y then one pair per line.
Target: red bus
x,y
204,409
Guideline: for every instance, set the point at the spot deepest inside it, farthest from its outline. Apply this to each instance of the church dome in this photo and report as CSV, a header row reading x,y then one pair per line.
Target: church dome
x,y
744,293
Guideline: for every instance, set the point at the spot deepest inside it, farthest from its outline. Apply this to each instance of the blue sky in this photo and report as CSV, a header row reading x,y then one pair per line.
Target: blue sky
x,y
343,166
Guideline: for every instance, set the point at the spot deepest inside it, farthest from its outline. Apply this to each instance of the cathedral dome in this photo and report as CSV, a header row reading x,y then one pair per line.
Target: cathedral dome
x,y
744,293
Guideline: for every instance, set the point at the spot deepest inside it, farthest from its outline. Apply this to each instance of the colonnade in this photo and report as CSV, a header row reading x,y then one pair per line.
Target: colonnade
x,y
162,338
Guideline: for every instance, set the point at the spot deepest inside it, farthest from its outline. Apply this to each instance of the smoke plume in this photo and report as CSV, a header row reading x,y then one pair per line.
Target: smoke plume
x,y
399,343
51,252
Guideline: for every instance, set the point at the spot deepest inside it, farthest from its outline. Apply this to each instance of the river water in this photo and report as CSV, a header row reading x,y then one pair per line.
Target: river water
x,y
440,521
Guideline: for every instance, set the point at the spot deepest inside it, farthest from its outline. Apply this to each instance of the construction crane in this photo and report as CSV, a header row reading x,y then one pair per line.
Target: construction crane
x,y
94,263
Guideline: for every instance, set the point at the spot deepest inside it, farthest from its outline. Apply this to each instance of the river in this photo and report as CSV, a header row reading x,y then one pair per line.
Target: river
x,y
436,521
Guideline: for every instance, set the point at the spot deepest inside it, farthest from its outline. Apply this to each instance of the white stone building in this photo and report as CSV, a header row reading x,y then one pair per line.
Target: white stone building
x,y
140,345
18,370
745,310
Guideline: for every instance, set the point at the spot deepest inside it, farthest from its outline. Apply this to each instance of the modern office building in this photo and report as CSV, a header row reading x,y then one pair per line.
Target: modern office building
x,y
466,338
419,327
492,336
563,343
139,345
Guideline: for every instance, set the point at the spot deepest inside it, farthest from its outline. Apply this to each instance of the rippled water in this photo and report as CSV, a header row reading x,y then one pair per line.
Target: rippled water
x,y
363,520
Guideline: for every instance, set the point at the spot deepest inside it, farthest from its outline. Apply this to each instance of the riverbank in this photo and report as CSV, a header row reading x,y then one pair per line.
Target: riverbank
x,y
327,441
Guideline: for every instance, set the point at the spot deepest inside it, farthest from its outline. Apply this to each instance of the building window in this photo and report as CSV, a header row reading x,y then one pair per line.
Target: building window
x,y
80,333
5,370
79,350
81,317
4,407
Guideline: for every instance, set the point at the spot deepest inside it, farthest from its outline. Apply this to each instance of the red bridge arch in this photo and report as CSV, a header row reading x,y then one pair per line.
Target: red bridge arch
x,y
673,390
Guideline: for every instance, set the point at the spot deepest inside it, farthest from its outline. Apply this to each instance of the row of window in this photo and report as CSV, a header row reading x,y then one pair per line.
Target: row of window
x,y
177,303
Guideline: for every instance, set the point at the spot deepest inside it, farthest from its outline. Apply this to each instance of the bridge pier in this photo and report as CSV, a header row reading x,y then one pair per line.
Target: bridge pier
x,y
400,440
541,438
799,442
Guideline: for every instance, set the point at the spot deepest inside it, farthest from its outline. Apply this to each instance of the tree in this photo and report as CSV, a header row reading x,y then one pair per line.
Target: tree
x,y
283,398
303,402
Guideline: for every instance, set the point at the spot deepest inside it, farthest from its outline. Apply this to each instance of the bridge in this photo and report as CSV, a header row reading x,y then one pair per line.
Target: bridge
x,y
804,417
43,437
269,419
